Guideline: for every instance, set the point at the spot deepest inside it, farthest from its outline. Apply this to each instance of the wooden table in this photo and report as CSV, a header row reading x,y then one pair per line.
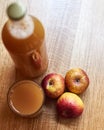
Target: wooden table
x,y
74,38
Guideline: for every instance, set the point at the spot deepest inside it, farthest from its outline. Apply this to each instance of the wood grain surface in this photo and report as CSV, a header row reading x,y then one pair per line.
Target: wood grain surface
x,y
74,38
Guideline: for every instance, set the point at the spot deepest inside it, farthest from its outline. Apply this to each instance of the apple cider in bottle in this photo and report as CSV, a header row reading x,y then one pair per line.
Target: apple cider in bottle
x,y
24,37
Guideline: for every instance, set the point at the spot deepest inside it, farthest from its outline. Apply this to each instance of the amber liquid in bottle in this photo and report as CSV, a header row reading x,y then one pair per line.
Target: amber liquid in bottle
x,y
27,48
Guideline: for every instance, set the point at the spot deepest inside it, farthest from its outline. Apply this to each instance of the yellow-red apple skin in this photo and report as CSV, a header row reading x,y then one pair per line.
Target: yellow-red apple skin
x,y
53,85
76,80
69,105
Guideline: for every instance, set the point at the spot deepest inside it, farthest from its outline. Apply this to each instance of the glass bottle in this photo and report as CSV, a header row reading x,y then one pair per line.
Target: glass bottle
x,y
24,37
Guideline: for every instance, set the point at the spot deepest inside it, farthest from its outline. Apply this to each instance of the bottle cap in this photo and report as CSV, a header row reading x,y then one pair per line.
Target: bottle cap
x,y
16,11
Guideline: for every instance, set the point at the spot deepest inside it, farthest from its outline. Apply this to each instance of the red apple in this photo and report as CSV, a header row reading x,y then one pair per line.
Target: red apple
x,y
76,80
53,85
69,105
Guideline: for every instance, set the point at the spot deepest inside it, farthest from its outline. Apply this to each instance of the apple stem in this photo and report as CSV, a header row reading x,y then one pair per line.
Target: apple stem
x,y
77,80
51,82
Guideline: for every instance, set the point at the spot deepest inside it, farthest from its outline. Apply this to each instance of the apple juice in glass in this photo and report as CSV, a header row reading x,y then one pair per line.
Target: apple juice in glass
x,y
26,98
24,37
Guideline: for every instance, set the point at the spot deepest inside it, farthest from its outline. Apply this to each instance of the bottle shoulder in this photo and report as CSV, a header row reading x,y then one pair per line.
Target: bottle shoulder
x,y
21,29
15,43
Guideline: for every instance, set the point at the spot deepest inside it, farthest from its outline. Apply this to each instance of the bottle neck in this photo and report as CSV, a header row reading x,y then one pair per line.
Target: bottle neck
x,y
22,28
